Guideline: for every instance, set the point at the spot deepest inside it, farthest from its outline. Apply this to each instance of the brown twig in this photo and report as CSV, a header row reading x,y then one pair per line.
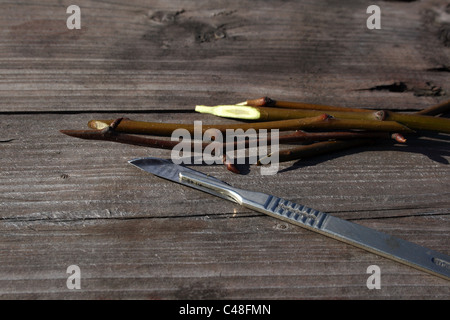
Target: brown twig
x,y
319,123
420,122
268,102
275,114
316,149
412,121
166,129
440,108
109,134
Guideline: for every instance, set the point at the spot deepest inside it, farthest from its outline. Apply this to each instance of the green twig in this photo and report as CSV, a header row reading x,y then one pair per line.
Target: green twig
x,y
441,108
318,123
412,121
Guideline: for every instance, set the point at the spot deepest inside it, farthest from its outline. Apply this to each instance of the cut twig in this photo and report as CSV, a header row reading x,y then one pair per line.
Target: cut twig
x,y
319,123
315,149
441,108
115,136
420,122
275,114
268,102
166,129
412,121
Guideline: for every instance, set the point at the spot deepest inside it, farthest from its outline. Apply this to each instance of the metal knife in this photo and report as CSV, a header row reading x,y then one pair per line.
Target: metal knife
x,y
369,239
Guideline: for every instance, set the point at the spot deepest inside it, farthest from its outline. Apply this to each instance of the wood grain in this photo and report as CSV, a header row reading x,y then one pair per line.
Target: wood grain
x,y
66,201
140,55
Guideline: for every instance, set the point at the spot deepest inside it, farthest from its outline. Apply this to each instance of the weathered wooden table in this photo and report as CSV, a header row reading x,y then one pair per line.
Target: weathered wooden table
x,y
70,202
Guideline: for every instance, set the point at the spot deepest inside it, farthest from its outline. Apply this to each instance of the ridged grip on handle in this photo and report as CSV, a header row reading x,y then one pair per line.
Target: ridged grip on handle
x,y
288,211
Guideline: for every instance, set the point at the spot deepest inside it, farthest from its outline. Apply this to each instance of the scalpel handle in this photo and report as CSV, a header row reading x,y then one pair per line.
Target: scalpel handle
x,y
366,238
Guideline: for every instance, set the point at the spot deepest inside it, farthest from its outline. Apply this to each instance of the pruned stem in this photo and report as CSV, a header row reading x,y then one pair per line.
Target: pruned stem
x,y
412,121
319,123
420,122
275,114
166,129
114,136
315,149
268,102
440,108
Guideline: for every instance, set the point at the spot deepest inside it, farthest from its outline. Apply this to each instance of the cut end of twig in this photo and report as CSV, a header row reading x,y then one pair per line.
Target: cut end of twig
x,y
261,102
260,160
324,117
398,137
97,124
231,111
380,115
88,134
229,165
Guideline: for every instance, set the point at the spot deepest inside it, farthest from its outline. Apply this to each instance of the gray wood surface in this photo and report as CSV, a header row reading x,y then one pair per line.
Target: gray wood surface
x,y
66,201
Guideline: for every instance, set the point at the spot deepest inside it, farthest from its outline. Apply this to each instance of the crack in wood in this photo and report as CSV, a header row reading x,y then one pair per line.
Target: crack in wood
x,y
222,216
443,68
427,89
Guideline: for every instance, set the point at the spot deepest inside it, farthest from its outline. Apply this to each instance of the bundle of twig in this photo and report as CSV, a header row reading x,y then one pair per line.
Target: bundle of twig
x,y
328,128
364,120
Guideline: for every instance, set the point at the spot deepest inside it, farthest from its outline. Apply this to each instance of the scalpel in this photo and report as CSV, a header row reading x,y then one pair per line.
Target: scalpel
x,y
368,239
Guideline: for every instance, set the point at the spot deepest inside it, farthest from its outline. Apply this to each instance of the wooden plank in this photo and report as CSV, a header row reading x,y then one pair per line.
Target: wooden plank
x,y
173,55
198,258
67,201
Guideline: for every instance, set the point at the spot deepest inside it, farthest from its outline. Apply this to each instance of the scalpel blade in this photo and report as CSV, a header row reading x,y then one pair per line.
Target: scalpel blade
x,y
369,239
